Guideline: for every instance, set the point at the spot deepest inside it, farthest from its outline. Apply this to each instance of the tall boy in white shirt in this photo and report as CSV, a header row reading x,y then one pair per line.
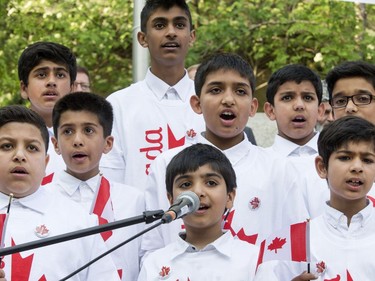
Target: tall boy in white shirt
x,y
36,213
204,251
82,123
342,239
153,115
224,84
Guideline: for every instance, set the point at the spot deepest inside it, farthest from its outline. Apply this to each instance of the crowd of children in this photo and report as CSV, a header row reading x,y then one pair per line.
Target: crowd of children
x,y
76,160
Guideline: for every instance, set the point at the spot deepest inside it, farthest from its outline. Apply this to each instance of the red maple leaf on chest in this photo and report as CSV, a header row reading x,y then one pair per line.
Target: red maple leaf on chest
x,y
276,244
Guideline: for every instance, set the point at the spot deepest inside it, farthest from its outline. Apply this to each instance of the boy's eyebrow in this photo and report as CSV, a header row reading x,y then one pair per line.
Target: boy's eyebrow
x,y
45,68
213,83
206,175
346,151
179,18
74,124
9,138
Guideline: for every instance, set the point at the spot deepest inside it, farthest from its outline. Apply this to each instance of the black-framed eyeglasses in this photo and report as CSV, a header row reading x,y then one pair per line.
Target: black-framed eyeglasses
x,y
358,99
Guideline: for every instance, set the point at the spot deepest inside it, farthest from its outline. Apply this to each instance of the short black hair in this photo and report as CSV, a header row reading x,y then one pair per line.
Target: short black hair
x,y
342,131
198,155
21,114
295,73
350,69
223,61
83,101
50,51
152,5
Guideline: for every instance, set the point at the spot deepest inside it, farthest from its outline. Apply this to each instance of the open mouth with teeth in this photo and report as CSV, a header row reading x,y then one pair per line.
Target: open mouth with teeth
x,y
19,171
79,155
299,119
227,115
202,208
354,182
170,45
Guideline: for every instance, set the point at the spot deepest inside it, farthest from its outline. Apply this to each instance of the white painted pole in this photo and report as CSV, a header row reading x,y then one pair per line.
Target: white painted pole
x,y
140,54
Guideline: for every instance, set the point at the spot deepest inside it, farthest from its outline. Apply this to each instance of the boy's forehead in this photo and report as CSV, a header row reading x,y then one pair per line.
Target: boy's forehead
x,y
50,65
174,12
225,76
352,145
78,117
18,130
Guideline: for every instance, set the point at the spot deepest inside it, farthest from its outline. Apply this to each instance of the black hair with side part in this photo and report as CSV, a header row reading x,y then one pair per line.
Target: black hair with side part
x,y
50,51
223,61
21,114
343,131
198,155
152,5
82,101
293,73
350,69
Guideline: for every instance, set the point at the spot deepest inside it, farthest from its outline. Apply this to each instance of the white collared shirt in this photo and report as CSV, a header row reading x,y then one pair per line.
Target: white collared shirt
x,y
267,195
127,202
43,214
225,259
343,250
145,125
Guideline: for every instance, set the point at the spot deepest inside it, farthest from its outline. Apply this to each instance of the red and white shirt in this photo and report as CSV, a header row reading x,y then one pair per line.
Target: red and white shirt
x,y
146,124
225,259
43,214
126,202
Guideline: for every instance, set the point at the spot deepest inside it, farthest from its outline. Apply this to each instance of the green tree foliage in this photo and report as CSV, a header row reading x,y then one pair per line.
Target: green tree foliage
x,y
268,33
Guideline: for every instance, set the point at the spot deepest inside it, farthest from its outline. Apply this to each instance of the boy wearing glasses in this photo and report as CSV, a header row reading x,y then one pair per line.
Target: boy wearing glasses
x,y
351,89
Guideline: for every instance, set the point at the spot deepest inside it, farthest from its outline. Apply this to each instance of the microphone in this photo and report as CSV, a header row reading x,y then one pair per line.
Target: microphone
x,y
187,202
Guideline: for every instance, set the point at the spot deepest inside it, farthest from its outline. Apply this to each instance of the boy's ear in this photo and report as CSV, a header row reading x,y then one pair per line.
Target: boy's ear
x,y
254,107
320,167
192,38
55,145
321,110
108,144
142,40
195,104
23,89
170,198
269,110
231,195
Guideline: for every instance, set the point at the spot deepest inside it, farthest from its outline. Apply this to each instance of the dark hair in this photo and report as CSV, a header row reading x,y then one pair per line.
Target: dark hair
x,y
223,61
342,131
82,69
21,114
350,69
50,51
152,5
82,101
296,73
198,155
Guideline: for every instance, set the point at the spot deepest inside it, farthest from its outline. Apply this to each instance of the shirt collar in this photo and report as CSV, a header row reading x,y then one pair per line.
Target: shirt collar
x,y
235,153
287,148
160,88
223,245
37,201
340,222
70,183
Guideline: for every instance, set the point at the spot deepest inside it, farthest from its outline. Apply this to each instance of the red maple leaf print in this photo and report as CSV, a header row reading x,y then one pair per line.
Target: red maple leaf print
x,y
254,203
21,267
320,267
173,141
164,271
276,244
337,278
348,276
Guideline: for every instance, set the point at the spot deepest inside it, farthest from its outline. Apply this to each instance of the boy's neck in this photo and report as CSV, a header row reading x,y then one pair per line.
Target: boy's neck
x,y
200,238
349,208
169,74
223,143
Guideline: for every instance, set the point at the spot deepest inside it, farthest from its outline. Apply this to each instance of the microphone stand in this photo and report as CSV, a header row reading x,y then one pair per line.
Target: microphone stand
x,y
111,250
147,217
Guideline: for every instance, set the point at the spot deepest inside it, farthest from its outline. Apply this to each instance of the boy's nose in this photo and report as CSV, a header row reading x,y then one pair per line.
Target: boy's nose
x,y
51,81
299,104
19,156
228,98
351,107
78,140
